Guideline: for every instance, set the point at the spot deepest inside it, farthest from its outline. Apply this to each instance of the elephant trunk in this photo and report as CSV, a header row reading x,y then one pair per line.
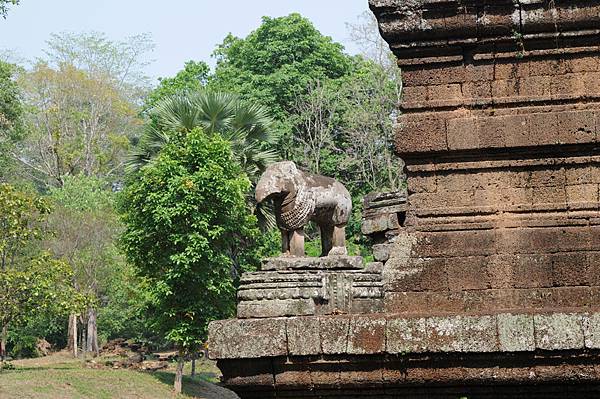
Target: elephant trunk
x,y
266,188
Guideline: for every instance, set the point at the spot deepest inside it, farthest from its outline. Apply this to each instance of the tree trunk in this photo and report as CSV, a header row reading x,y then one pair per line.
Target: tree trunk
x,y
3,345
193,374
72,335
83,339
179,372
92,332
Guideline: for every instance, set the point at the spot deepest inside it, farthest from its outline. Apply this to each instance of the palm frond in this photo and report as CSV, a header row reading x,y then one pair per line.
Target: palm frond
x,y
176,113
216,110
149,146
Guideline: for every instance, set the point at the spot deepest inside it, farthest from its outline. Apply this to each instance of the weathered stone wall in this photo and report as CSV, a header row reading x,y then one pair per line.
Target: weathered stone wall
x,y
499,131
387,356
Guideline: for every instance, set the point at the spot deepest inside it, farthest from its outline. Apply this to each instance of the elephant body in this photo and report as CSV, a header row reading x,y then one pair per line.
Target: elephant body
x,y
300,197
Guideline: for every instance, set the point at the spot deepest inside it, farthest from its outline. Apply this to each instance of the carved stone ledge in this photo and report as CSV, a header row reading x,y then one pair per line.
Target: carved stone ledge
x,y
396,334
435,31
311,263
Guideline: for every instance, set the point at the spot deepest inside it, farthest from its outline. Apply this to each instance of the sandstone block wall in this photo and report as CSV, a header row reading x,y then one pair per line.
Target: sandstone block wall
x,y
500,132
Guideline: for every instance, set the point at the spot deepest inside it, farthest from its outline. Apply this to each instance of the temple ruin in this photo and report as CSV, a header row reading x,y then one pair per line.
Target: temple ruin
x,y
486,280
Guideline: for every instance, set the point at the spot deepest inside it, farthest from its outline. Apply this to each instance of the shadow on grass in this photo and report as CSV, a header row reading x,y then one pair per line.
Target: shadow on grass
x,y
191,385
58,366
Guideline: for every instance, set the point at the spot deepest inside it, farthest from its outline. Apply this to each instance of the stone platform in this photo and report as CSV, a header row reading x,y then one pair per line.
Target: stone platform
x,y
384,356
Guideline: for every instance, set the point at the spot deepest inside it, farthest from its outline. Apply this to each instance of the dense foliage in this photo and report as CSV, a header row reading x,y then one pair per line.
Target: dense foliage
x,y
10,104
21,214
31,283
277,62
182,214
11,110
40,287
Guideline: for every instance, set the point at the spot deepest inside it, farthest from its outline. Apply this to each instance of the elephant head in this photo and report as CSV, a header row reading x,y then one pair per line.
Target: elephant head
x,y
278,180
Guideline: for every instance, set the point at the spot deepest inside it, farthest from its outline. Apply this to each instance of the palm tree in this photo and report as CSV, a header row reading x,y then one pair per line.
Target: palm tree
x,y
248,127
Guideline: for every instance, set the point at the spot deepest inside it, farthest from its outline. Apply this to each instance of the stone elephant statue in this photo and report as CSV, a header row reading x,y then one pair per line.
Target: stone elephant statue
x,y
300,197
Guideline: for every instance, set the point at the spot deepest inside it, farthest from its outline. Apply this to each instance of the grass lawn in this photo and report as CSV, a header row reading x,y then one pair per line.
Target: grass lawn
x,y
59,376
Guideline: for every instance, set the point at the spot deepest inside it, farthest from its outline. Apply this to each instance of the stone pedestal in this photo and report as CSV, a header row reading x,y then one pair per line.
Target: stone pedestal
x,y
293,286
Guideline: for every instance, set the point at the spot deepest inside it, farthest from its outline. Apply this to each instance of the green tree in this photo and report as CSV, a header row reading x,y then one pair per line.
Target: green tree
x,y
121,306
28,282
367,101
193,77
20,218
277,63
85,227
11,111
21,214
247,126
83,107
77,124
120,63
11,108
183,213
4,4
41,287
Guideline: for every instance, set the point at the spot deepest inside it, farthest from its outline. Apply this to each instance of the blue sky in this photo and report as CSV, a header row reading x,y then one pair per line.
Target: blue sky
x,y
182,29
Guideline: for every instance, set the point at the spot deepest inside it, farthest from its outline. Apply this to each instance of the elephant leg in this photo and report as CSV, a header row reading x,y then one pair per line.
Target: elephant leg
x,y
339,241
297,242
285,242
326,239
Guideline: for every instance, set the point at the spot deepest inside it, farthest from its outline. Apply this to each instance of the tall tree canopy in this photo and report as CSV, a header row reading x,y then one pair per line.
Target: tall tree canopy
x,y
121,63
77,124
277,62
82,104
